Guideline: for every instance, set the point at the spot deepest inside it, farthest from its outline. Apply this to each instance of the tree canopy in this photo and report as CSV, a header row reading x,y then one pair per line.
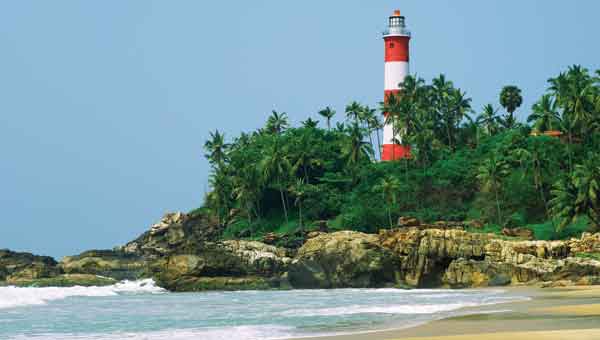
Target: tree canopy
x,y
465,164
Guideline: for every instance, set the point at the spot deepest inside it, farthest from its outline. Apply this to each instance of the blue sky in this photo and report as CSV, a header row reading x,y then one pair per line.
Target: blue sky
x,y
104,106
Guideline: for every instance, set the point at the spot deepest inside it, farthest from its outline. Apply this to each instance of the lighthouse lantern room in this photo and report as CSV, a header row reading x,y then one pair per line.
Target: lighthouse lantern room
x,y
397,39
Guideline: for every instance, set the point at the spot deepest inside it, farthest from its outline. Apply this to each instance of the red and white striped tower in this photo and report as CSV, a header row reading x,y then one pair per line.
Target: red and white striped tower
x,y
397,39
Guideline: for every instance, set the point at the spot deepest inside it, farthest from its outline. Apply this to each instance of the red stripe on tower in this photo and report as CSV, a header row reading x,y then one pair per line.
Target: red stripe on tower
x,y
397,57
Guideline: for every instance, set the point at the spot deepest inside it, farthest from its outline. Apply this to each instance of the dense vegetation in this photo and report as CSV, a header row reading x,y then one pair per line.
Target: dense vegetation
x,y
485,166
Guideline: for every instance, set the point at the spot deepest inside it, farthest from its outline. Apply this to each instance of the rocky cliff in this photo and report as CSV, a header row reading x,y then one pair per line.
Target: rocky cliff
x,y
182,253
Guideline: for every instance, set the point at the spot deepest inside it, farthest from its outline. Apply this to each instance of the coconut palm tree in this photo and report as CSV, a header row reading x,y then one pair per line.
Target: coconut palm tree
x,y
388,187
354,111
246,190
299,191
376,124
545,116
586,179
367,115
220,195
328,114
488,119
277,122
216,149
275,169
490,174
310,123
356,150
562,204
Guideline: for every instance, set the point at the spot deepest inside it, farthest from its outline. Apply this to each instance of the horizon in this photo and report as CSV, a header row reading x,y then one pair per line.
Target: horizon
x,y
102,126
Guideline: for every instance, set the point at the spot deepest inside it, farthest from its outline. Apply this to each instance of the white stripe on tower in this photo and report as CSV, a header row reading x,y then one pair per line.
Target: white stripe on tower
x,y
395,72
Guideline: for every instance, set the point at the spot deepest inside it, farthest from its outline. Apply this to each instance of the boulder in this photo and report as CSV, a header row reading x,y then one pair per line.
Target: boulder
x,y
343,259
406,221
523,233
109,263
233,259
476,224
65,280
174,233
424,255
588,243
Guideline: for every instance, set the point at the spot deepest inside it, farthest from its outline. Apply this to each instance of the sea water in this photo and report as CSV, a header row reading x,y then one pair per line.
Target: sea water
x,y
141,311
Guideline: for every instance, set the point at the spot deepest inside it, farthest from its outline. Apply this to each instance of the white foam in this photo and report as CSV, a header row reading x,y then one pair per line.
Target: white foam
x,y
263,332
26,296
393,309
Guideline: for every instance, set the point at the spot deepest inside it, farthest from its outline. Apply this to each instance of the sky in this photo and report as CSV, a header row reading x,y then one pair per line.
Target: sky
x,y
105,105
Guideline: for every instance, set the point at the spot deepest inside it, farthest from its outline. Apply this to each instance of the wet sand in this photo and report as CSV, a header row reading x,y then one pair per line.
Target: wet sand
x,y
552,314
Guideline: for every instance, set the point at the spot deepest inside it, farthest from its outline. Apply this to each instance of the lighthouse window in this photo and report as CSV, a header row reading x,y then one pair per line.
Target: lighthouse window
x,y
391,45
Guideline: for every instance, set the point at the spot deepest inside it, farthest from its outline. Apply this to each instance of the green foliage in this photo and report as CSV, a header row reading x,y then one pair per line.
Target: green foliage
x,y
592,256
283,178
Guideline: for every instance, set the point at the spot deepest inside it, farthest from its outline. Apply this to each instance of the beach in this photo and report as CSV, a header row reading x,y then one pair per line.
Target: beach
x,y
552,314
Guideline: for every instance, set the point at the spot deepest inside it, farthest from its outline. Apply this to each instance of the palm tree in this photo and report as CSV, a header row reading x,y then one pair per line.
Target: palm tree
x,y
442,90
367,115
310,123
246,190
545,115
586,179
275,167
562,204
216,148
511,98
299,191
469,132
327,113
356,148
388,186
277,122
305,158
376,124
490,174
353,111
459,106
220,195
488,119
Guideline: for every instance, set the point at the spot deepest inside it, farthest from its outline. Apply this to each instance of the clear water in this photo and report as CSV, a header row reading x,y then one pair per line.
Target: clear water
x,y
139,310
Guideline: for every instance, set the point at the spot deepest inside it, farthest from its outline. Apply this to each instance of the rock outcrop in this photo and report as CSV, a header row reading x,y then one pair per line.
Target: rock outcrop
x,y
236,262
108,263
174,233
182,252
343,259
15,266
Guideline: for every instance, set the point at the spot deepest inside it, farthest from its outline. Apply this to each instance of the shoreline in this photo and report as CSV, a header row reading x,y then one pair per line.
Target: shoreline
x,y
550,313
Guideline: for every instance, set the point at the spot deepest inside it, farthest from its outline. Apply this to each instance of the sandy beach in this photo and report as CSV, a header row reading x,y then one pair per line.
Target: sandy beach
x,y
571,313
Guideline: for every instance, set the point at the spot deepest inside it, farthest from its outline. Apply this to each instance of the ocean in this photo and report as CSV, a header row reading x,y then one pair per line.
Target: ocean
x,y
140,310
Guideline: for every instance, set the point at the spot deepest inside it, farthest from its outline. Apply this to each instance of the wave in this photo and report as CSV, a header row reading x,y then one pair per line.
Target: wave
x,y
393,309
262,332
11,297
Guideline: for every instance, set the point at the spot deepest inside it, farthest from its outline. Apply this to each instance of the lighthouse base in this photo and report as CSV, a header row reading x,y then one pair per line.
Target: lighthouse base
x,y
392,152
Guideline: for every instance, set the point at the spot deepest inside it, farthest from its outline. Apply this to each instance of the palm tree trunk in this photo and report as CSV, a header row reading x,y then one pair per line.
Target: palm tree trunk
x,y
498,207
393,139
569,151
389,211
449,136
371,141
283,204
378,143
300,214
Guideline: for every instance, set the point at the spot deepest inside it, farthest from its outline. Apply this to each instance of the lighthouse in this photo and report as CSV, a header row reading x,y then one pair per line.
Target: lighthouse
x,y
397,39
